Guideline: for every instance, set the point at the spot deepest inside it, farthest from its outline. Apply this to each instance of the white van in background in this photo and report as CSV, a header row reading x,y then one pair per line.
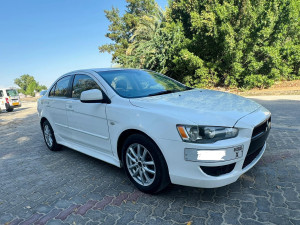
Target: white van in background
x,y
9,99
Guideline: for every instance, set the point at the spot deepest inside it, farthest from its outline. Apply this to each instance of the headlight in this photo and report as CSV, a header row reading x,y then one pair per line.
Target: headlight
x,y
205,134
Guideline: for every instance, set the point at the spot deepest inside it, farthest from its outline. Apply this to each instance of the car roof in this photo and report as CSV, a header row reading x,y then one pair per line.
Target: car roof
x,y
102,70
110,69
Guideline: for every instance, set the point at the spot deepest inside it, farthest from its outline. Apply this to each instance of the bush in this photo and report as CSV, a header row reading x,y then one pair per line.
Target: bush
x,y
258,81
207,43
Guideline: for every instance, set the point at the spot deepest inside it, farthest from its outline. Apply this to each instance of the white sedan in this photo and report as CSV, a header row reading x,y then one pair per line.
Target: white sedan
x,y
158,129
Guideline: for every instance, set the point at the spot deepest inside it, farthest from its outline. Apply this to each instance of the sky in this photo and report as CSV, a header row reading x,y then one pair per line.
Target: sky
x,y
48,38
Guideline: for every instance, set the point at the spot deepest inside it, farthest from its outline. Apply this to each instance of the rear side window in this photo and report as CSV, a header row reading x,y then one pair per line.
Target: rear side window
x,y
1,93
61,88
83,83
52,91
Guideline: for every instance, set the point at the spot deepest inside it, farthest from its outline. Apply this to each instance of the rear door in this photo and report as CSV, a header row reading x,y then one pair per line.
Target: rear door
x,y
56,106
87,121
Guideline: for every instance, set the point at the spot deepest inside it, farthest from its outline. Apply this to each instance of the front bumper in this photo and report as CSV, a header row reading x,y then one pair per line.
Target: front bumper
x,y
213,174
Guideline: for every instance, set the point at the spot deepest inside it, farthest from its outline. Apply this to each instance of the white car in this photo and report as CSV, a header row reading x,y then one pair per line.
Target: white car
x,y
158,129
9,99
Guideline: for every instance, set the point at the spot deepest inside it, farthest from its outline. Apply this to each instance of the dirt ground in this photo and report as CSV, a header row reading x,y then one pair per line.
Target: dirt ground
x,y
279,88
28,108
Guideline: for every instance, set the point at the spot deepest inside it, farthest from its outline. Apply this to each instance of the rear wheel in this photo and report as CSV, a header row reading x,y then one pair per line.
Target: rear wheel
x,y
49,137
144,164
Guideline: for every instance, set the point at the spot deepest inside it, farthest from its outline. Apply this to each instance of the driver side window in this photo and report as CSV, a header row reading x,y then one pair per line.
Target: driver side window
x,y
83,83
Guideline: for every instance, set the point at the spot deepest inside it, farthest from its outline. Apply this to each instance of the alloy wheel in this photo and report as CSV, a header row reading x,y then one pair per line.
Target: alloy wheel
x,y
140,164
48,135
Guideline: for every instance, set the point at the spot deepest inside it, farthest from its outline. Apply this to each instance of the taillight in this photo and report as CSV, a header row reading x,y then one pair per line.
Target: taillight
x,y
7,100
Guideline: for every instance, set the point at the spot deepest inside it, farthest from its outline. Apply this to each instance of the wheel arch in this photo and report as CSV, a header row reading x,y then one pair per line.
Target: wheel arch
x,y
43,119
125,134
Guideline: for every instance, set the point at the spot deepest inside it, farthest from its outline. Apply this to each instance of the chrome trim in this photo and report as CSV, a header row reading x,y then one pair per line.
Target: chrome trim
x,y
95,135
61,125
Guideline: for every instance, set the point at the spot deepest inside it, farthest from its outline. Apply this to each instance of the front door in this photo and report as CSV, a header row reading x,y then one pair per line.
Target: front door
x,y
87,121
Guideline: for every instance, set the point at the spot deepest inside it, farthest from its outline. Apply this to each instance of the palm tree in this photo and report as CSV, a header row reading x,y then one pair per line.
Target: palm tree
x,y
145,31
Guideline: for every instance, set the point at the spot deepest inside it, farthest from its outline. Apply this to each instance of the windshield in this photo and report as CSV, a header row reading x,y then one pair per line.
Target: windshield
x,y
140,83
11,92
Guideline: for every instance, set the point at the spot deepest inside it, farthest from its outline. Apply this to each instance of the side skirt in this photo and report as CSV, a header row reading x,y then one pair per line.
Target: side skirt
x,y
91,152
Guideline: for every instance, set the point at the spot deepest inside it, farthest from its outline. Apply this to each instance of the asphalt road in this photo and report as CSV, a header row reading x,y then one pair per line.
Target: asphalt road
x,y
38,186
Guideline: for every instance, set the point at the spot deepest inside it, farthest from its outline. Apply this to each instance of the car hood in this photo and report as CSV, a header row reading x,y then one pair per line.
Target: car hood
x,y
200,106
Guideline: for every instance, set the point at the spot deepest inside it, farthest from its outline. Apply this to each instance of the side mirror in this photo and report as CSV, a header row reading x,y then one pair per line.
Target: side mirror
x,y
91,96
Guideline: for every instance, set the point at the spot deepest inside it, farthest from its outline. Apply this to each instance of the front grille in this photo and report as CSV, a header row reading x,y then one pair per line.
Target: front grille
x,y
250,157
259,136
261,128
217,170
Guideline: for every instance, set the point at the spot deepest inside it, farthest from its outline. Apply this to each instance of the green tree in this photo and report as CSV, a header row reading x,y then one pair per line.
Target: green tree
x,y
155,43
239,43
142,38
122,28
28,85
31,88
247,43
143,33
23,82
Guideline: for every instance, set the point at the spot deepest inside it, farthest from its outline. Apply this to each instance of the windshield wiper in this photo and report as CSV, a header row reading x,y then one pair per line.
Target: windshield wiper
x,y
163,92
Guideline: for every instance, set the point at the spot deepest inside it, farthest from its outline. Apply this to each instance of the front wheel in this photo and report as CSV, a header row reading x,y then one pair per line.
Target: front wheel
x,y
49,137
144,164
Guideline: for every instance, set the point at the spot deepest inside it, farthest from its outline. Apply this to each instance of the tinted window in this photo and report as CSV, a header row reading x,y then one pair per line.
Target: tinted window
x,y
1,94
140,83
83,83
52,91
62,87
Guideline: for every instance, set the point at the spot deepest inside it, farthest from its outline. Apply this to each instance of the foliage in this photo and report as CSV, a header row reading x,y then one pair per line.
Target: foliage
x,y
204,43
28,85
122,28
258,80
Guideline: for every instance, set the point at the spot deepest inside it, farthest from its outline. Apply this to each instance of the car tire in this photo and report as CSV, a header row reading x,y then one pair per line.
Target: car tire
x,y
139,152
49,137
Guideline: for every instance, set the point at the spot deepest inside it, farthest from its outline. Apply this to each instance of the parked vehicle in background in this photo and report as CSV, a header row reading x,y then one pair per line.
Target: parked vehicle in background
x,y
43,92
9,99
158,129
